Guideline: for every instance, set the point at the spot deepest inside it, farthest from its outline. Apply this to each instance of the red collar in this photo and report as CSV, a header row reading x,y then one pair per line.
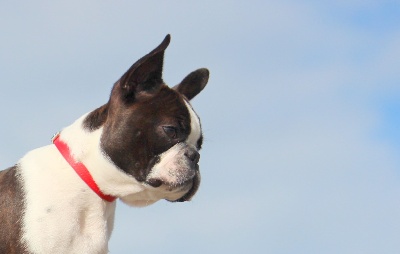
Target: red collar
x,y
80,169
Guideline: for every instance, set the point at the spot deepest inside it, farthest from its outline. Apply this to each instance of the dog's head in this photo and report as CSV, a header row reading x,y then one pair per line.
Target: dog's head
x,y
150,131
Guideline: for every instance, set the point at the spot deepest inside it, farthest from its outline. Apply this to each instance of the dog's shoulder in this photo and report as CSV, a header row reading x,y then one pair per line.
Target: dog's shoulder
x,y
11,205
10,189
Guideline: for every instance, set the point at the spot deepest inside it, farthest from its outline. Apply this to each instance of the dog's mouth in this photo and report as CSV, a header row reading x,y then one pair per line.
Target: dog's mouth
x,y
192,191
186,188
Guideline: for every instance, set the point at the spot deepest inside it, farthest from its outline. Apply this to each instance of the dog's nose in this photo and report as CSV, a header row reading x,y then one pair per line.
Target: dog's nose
x,y
193,156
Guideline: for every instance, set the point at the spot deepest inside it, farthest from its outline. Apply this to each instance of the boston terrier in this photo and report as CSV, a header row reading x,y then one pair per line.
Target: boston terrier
x,y
141,146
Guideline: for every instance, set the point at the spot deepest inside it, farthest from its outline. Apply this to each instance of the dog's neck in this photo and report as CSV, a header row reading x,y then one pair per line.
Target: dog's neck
x,y
80,168
85,148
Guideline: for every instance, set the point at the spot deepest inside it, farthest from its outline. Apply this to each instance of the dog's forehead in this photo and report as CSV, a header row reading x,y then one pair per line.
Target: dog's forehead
x,y
165,107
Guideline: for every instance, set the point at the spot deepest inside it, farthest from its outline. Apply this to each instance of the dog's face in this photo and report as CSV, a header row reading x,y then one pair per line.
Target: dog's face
x,y
150,131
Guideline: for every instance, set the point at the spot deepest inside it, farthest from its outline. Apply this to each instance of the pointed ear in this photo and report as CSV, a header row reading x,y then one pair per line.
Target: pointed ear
x,y
146,73
193,83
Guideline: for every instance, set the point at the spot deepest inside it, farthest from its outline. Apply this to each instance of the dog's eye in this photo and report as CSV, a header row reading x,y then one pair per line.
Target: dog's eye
x,y
170,131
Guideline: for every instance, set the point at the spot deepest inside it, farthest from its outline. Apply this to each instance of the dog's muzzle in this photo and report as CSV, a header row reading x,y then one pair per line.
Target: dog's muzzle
x,y
177,172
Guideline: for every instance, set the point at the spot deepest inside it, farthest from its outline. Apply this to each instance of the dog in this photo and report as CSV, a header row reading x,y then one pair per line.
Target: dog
x,y
140,147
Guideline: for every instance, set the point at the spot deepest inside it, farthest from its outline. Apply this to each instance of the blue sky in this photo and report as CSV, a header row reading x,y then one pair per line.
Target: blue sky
x,y
301,115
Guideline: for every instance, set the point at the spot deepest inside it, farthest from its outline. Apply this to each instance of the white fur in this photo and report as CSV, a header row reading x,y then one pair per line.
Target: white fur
x,y
194,125
63,215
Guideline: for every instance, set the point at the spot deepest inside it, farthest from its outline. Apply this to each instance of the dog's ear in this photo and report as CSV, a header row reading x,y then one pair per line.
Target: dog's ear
x,y
193,83
146,74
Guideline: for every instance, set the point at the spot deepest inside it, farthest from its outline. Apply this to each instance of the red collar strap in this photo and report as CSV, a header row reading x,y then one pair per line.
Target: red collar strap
x,y
80,169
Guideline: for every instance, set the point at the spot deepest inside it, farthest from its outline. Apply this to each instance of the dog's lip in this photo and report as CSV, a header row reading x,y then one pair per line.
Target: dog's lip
x,y
193,190
189,186
156,183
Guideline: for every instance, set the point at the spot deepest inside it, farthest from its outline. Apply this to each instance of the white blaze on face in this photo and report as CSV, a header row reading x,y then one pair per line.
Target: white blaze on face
x,y
195,127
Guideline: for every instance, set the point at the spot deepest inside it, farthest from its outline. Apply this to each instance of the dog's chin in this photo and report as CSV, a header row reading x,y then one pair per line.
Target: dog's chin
x,y
177,192
192,189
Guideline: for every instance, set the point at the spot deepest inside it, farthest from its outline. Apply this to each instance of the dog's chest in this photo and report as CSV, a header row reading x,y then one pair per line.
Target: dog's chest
x,y
62,215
